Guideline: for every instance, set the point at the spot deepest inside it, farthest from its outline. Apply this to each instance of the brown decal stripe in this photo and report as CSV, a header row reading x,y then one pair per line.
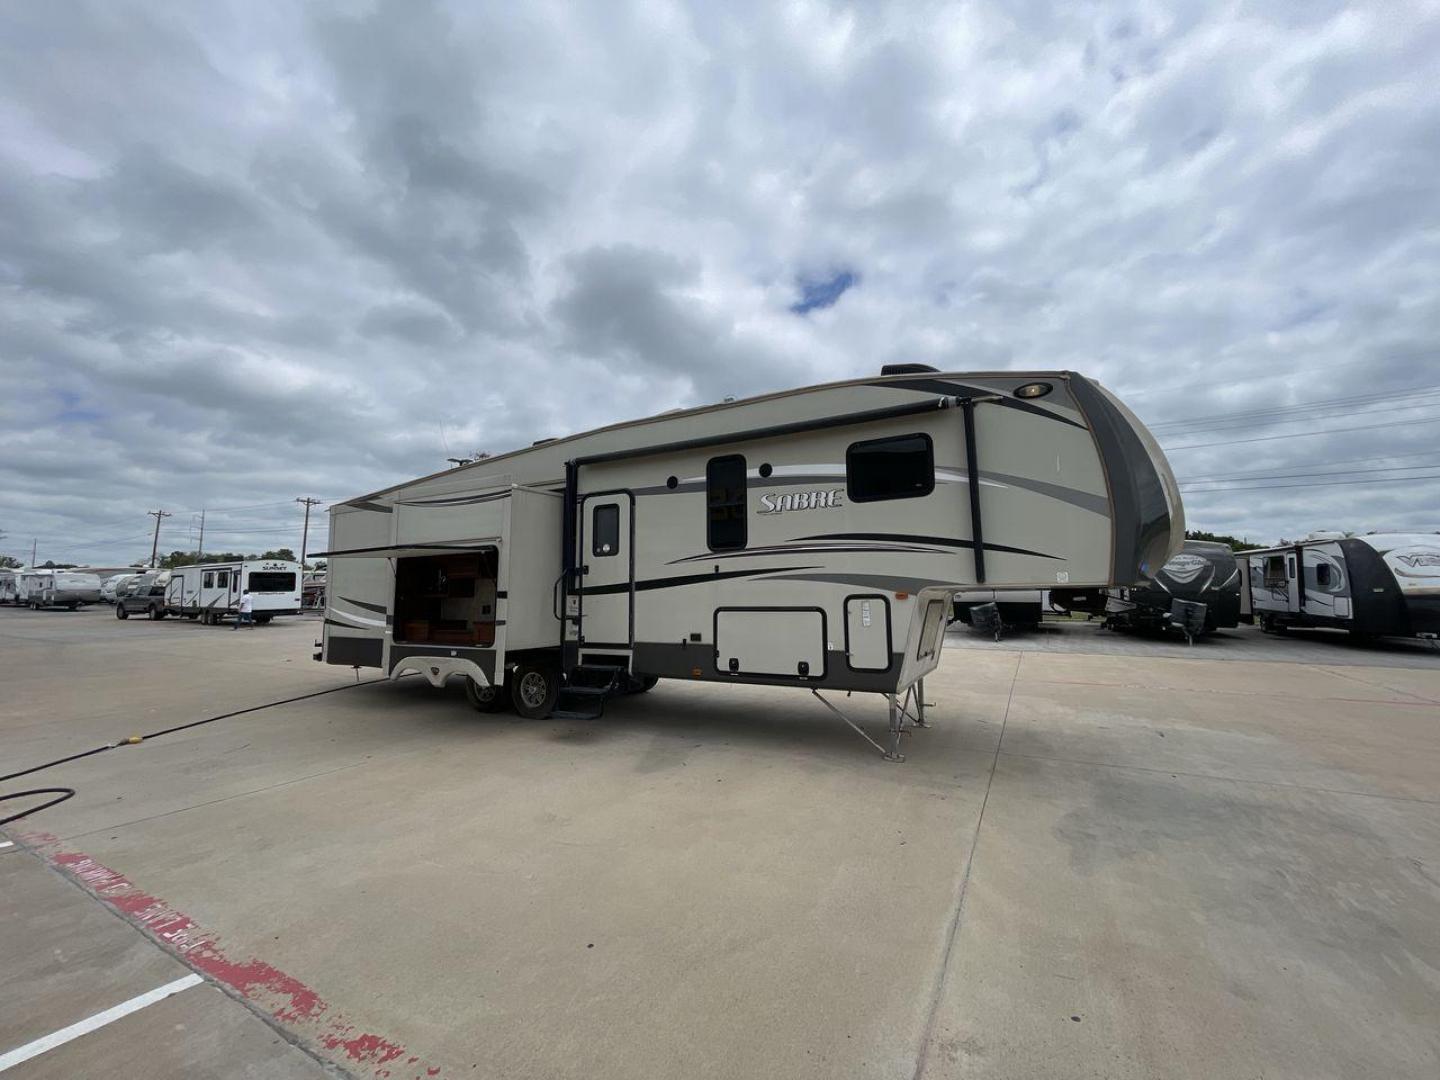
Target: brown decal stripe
x,y
686,579
940,541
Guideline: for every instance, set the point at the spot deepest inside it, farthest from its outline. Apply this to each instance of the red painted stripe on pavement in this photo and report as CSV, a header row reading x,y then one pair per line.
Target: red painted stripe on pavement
x,y
286,998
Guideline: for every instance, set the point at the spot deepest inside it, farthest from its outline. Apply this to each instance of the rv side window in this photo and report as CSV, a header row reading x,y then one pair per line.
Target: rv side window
x,y
725,503
209,579
1291,562
222,579
605,531
1322,576
271,581
1274,571
902,467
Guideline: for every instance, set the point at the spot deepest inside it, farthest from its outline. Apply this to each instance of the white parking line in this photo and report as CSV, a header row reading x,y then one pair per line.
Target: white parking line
x,y
84,1027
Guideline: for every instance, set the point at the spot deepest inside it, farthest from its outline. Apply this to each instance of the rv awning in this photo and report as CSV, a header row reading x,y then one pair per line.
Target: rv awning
x,y
407,551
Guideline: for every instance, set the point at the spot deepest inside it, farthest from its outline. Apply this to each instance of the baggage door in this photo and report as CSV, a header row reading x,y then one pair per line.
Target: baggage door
x,y
867,633
607,558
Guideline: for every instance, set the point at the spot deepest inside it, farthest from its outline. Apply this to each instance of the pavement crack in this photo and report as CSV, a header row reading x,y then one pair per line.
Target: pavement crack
x,y
937,994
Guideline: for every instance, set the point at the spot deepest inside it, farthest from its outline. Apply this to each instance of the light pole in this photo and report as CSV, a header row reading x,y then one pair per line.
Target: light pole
x,y
159,516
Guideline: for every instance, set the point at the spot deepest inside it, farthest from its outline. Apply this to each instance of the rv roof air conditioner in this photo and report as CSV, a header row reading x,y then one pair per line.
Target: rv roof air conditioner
x,y
909,369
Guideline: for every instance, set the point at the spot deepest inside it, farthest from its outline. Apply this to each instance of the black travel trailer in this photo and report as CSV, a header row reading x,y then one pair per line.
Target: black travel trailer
x,y
1386,584
1203,573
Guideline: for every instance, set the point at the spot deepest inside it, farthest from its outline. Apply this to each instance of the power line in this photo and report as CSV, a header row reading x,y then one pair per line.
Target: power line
x,y
1328,412
1332,461
1304,434
1291,476
1317,483
1328,403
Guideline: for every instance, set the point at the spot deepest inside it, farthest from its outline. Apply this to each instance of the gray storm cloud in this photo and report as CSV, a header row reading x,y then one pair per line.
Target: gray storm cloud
x,y
254,252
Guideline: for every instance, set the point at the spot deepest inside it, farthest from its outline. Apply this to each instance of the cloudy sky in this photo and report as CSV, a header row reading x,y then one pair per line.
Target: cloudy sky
x,y
259,251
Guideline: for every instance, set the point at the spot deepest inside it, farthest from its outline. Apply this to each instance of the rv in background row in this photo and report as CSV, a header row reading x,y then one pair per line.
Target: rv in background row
x,y
1387,584
211,592
38,589
1202,573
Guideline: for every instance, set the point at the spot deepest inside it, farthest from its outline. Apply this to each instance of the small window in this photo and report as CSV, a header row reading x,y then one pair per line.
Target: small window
x,y
902,467
1322,576
725,503
605,531
222,579
209,579
1291,564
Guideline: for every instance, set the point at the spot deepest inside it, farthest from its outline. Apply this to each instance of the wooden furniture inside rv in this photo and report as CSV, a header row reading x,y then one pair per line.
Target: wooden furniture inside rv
x,y
446,599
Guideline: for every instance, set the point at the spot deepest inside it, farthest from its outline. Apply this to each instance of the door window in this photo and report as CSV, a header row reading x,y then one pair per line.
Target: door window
x,y
726,526
605,531
209,579
222,579
1274,571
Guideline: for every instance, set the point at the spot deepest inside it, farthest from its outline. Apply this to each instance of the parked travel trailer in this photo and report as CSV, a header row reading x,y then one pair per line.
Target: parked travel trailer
x,y
211,591
57,588
1202,573
10,586
810,538
113,585
1385,584
1014,608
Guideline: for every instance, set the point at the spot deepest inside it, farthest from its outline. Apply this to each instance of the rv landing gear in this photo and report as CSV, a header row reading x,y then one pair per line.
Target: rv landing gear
x,y
898,715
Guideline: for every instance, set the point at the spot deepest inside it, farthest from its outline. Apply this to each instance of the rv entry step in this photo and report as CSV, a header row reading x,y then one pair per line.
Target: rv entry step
x,y
583,697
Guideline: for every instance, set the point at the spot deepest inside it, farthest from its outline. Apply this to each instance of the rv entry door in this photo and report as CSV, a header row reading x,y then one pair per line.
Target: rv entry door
x,y
607,597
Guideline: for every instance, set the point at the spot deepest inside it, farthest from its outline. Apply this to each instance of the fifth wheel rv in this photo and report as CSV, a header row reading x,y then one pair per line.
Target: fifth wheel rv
x,y
810,538
1387,584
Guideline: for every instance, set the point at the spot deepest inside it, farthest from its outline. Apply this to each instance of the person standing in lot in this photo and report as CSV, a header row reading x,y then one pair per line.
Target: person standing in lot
x,y
246,616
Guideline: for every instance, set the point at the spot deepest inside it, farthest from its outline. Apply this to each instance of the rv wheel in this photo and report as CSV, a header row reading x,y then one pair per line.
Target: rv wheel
x,y
533,690
120,612
646,683
487,699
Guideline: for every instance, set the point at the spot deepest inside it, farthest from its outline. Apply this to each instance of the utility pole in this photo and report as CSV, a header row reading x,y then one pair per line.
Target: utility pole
x,y
158,515
32,550
305,535
200,553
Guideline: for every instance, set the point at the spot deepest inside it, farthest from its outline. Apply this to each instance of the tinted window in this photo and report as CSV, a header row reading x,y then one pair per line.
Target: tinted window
x,y
725,502
222,579
605,531
902,467
1275,570
272,582
1322,575
209,579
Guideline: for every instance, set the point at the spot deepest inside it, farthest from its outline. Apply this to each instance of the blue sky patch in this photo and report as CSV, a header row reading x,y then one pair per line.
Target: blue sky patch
x,y
823,294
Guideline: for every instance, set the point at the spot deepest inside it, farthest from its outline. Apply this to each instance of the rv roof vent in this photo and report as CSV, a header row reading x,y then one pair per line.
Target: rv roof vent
x,y
909,369
542,442
1326,534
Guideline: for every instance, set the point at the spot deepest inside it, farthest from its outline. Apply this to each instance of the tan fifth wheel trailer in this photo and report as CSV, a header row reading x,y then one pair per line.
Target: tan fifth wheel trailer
x,y
810,538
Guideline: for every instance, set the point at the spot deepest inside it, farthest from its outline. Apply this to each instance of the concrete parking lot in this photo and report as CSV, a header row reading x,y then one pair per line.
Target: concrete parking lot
x,y
1129,863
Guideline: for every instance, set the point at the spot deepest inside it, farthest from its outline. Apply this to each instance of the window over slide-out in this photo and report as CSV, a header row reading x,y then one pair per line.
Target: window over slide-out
x,y
272,581
899,467
446,599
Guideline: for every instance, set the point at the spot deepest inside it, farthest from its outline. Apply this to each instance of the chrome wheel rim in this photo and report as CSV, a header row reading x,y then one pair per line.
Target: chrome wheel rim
x,y
533,689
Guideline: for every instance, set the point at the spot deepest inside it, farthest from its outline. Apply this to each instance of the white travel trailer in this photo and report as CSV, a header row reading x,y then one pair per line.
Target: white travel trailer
x,y
57,588
211,591
10,585
1387,584
810,538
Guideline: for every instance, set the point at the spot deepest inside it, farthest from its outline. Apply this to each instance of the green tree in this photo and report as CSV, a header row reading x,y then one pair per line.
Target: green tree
x,y
9,562
1236,543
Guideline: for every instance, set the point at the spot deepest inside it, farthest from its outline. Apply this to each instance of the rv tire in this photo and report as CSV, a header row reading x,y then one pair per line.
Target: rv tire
x,y
120,612
533,690
486,699
645,683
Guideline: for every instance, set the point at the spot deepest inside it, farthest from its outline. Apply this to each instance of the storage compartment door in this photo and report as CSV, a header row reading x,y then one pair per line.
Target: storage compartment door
x,y
867,633
770,641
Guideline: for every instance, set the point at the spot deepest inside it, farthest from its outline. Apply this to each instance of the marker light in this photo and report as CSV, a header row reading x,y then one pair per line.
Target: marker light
x,y
1033,390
